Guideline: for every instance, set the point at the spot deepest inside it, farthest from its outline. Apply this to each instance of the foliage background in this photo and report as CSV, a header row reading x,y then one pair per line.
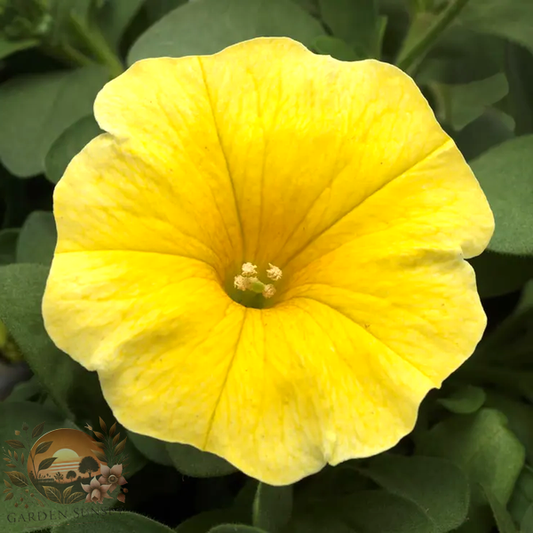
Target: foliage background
x,y
468,465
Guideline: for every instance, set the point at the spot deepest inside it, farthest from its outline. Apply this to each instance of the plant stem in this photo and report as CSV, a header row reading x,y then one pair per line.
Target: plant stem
x,y
98,46
409,57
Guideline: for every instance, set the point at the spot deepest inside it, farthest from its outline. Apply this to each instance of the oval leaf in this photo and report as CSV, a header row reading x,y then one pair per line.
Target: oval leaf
x,y
15,444
123,522
272,507
439,488
37,430
208,26
46,463
99,455
52,494
506,177
43,447
195,463
465,401
8,497
76,497
18,479
121,445
66,493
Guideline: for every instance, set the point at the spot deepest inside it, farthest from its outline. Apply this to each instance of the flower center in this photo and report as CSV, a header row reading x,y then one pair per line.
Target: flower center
x,y
255,291
112,478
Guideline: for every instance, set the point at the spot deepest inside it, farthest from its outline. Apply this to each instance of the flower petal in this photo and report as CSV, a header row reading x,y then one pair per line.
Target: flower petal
x,y
95,484
105,470
86,488
299,147
116,470
128,301
171,195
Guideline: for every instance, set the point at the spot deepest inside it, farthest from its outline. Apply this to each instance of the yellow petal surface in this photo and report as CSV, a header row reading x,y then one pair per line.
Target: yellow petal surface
x,y
336,172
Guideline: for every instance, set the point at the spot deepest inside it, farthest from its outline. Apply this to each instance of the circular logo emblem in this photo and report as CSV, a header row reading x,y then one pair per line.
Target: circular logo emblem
x,y
62,464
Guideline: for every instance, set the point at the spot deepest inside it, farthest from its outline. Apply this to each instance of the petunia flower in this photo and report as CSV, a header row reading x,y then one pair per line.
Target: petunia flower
x,y
264,257
96,492
112,476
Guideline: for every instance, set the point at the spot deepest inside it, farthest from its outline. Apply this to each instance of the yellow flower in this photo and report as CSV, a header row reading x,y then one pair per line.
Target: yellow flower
x,y
328,192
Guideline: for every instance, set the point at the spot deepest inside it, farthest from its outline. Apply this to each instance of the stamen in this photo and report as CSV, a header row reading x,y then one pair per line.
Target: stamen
x,y
248,269
241,283
274,273
269,291
248,280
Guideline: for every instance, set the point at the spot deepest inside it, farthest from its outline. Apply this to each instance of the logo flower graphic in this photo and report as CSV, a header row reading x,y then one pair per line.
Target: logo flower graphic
x,y
264,257
112,476
96,492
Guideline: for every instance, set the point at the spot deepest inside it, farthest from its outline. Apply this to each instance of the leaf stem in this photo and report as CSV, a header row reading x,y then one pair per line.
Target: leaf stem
x,y
413,54
98,46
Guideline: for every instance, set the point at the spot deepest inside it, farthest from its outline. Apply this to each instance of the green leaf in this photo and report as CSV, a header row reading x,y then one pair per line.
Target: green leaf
x,y
21,292
522,498
513,272
8,246
236,528
369,511
114,17
36,109
153,449
355,22
489,130
464,401
519,418
526,525
195,463
208,26
510,19
157,9
123,522
437,486
37,239
461,104
203,522
519,70
10,47
482,445
460,56
334,47
25,391
502,517
272,507
506,176
67,145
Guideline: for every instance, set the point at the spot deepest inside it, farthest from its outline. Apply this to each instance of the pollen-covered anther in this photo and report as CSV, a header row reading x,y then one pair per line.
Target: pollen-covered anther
x,y
241,283
249,270
269,291
274,273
